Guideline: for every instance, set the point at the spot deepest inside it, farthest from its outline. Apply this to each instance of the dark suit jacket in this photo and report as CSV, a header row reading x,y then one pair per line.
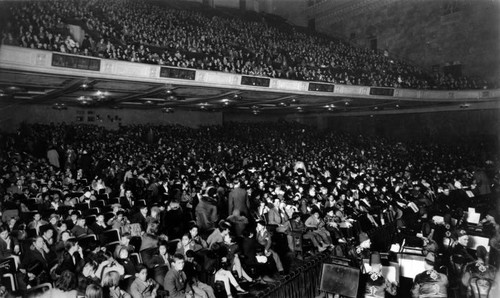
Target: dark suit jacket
x,y
176,284
69,264
238,199
157,260
33,257
97,229
5,251
125,203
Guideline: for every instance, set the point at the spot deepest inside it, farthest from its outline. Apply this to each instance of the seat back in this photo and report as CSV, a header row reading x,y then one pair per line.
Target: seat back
x,y
110,236
480,287
457,262
38,290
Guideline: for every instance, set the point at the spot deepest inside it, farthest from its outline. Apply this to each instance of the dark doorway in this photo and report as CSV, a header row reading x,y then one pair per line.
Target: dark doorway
x,y
311,24
373,44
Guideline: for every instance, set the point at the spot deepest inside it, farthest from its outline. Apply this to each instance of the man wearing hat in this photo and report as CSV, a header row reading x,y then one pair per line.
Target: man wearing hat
x,y
362,251
375,283
430,283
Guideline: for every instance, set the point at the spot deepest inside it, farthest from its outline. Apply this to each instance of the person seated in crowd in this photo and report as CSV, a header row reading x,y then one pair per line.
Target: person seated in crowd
x,y
9,246
124,243
430,283
231,251
294,227
459,252
54,220
276,215
88,275
489,224
142,286
196,238
191,269
80,228
224,275
218,234
128,200
107,263
317,230
186,244
123,258
72,258
111,286
99,226
64,287
37,222
176,282
93,291
48,237
333,228
162,258
263,237
139,217
34,263
119,222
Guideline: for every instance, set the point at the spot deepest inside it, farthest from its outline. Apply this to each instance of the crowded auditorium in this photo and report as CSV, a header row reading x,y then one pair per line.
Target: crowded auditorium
x,y
249,148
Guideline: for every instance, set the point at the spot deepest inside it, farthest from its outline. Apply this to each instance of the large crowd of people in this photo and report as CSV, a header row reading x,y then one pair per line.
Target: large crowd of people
x,y
148,211
146,32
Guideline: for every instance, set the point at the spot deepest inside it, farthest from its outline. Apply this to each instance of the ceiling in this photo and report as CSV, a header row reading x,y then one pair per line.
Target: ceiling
x,y
61,91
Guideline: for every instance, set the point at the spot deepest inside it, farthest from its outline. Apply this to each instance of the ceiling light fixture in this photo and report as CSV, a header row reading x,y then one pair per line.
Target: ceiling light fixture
x,y
59,106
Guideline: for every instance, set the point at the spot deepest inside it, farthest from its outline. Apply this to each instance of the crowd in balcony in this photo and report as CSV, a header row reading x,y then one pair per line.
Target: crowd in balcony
x,y
218,208
144,32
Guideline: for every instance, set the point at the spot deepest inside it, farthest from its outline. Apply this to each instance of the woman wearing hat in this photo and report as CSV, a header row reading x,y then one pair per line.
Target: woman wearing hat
x,y
375,283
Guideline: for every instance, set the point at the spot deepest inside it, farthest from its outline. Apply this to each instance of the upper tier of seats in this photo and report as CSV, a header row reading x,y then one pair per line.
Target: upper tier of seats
x,y
204,38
